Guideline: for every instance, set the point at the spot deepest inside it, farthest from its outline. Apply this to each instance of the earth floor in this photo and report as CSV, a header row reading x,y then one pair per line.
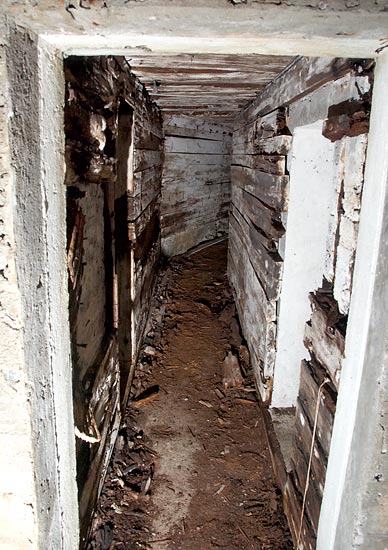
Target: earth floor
x,y
191,468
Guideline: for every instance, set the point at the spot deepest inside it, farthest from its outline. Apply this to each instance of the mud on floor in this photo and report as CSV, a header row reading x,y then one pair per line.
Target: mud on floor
x,y
191,467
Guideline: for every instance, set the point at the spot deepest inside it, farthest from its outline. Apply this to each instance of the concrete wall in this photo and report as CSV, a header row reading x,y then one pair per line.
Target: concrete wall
x,y
196,182
18,504
354,507
36,80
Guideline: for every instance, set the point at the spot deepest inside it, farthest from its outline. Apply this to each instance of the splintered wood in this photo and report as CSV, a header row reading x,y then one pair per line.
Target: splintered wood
x,y
196,182
193,463
259,201
325,340
113,178
213,85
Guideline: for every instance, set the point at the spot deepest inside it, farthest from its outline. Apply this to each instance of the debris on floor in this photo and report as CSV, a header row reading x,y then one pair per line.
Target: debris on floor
x,y
191,467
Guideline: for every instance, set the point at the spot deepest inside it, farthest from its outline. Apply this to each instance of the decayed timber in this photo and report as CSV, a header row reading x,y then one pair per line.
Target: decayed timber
x,y
304,76
272,190
313,499
279,145
293,508
105,409
308,394
315,411
219,83
265,219
269,164
301,453
325,342
196,182
111,214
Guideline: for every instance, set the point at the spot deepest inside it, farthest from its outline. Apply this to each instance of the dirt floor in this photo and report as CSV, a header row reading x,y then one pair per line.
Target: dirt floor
x,y
191,468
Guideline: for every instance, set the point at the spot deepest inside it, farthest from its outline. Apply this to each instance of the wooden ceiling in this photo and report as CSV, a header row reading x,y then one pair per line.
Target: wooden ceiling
x,y
217,85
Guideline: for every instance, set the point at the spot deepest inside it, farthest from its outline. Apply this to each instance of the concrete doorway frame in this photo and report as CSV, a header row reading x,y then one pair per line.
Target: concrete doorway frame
x,y
42,47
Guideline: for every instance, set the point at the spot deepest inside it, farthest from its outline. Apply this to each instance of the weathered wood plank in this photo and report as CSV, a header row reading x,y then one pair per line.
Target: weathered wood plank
x,y
269,164
267,269
105,411
186,159
313,498
194,145
201,129
144,159
266,220
252,63
303,76
146,138
325,342
206,208
280,145
293,509
308,395
137,226
257,316
146,178
269,189
302,444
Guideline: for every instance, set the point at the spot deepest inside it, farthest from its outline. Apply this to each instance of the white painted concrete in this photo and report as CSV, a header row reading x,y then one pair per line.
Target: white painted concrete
x,y
357,416
205,27
57,333
39,202
18,506
309,215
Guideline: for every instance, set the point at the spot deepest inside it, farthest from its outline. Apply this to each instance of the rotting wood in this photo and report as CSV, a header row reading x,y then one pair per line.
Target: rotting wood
x,y
302,77
269,164
262,216
301,449
103,95
326,343
147,396
209,81
293,508
279,145
272,190
308,391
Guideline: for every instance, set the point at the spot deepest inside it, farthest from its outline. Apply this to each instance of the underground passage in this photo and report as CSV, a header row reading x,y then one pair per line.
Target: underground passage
x,y
211,242
193,274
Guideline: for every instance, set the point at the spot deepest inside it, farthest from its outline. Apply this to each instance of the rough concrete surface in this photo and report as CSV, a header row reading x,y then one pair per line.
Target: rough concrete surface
x,y
218,27
17,497
39,223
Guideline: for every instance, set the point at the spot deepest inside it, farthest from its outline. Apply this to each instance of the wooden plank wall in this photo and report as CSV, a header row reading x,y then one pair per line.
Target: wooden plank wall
x,y
196,182
109,216
262,139
325,340
256,225
337,94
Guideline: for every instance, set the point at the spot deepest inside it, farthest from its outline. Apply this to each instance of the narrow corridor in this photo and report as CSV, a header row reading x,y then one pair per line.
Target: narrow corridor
x,y
191,467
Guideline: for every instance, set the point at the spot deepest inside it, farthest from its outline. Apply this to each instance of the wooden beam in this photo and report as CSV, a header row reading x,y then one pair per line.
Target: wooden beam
x,y
302,77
